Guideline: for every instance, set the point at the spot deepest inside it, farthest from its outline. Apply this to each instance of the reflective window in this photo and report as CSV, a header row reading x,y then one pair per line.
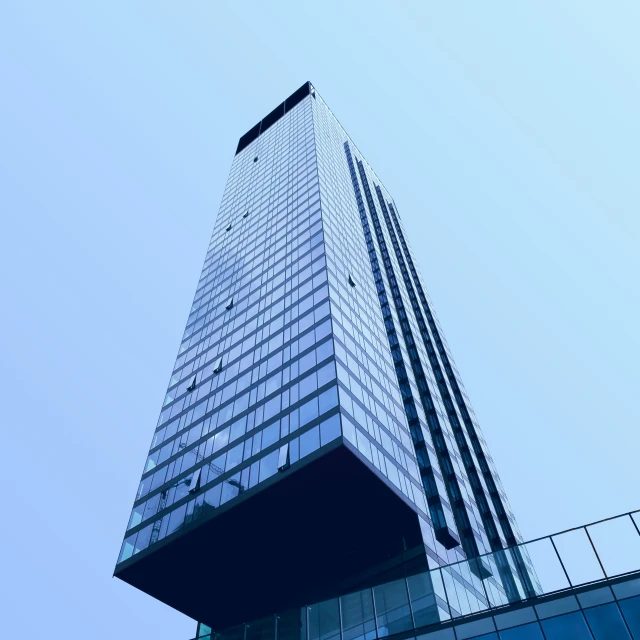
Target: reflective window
x,y
606,622
392,608
423,600
572,626
526,632
324,621
357,616
631,611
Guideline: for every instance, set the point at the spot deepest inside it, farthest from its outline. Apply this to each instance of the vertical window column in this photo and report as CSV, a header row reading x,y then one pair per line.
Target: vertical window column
x,y
445,534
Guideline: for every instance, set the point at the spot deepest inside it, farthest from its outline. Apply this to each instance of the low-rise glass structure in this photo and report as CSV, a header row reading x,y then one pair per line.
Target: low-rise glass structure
x,y
588,588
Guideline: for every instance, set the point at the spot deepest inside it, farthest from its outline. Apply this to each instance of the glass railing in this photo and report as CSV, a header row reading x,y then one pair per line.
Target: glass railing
x,y
592,553
573,558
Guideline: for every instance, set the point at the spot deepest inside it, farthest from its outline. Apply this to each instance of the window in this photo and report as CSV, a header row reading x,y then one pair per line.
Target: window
x,y
330,429
218,367
255,159
351,281
283,457
357,616
228,227
631,610
229,304
309,441
526,632
606,623
324,621
571,625
268,466
392,607
194,485
246,215
192,384
423,600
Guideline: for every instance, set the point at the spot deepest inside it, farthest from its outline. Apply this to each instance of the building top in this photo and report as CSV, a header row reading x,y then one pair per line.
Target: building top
x,y
297,96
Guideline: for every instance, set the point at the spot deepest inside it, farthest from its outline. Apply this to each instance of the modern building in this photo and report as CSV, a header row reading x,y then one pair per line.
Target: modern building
x,y
316,444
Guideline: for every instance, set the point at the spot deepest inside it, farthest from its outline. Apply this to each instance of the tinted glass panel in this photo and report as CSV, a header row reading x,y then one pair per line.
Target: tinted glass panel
x,y
606,623
571,626
631,610
357,616
324,620
527,632
392,608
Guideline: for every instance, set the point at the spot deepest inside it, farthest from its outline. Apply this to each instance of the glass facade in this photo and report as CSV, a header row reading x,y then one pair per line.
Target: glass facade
x,y
584,591
315,442
255,371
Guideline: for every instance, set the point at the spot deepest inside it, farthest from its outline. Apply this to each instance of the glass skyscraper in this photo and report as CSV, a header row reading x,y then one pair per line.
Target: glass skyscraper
x,y
316,444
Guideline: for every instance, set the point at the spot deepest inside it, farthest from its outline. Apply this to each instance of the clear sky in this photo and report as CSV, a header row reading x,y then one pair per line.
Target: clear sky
x,y
508,133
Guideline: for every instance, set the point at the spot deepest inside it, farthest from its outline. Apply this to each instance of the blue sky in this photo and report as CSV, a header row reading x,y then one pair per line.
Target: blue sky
x,y
508,134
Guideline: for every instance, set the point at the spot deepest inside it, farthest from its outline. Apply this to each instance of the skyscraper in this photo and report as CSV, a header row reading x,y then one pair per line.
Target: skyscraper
x,y
315,438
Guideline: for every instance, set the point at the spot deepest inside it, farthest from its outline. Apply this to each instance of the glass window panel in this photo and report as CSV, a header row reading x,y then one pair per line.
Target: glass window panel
x,y
392,607
515,618
357,616
606,622
136,516
631,610
127,547
230,488
423,600
176,518
270,435
326,373
324,620
309,411
627,589
529,631
443,634
330,429
572,626
263,629
349,430
595,597
328,399
456,593
557,607
268,465
234,457
473,629
212,496
309,441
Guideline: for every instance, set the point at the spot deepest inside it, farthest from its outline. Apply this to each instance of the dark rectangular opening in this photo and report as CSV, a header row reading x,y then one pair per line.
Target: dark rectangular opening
x,y
297,96
248,138
273,117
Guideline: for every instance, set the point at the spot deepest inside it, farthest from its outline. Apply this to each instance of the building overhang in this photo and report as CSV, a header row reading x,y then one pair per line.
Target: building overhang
x,y
330,517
